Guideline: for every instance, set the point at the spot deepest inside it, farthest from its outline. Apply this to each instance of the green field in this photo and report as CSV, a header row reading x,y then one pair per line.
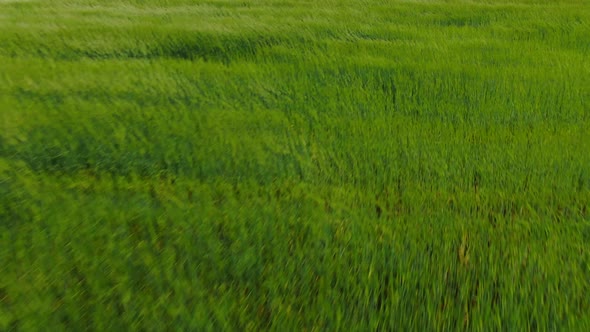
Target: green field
x,y
290,165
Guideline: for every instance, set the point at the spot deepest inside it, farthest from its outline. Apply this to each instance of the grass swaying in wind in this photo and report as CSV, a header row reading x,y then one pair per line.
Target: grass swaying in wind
x,y
294,165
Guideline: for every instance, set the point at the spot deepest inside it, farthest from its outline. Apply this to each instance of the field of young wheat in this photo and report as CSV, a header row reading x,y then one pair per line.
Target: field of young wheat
x,y
294,165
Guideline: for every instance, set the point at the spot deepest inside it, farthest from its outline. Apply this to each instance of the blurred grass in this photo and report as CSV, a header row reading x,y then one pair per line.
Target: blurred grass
x,y
287,165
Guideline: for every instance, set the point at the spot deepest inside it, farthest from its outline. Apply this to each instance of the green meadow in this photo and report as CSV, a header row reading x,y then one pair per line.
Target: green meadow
x,y
290,165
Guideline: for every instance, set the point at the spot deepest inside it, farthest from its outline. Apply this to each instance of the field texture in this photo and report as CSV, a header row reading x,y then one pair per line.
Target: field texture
x,y
294,165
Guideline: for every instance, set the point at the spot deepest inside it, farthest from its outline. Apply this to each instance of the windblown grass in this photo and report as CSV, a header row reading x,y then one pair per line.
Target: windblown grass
x,y
290,165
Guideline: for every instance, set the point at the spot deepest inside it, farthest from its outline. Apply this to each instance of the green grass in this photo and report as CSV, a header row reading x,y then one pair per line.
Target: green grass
x,y
294,165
